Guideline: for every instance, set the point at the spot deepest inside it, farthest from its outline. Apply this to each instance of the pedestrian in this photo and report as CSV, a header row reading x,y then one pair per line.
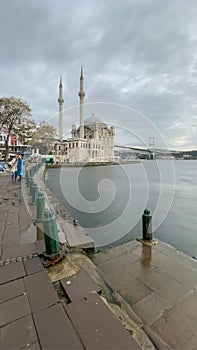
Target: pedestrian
x,y
19,171
13,169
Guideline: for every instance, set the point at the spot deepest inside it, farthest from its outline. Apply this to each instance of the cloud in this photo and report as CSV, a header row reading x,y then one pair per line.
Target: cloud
x,y
141,54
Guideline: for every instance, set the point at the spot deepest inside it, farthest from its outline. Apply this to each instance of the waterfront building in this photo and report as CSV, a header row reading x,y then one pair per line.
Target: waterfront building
x,y
92,140
14,143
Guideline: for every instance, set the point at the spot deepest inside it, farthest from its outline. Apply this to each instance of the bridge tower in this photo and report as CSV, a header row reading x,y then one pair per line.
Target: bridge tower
x,y
152,147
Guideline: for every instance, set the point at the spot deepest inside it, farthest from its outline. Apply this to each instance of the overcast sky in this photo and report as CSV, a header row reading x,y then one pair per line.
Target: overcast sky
x,y
138,53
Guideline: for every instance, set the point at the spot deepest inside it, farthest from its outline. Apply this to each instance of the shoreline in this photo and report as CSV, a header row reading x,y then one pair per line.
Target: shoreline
x,y
91,164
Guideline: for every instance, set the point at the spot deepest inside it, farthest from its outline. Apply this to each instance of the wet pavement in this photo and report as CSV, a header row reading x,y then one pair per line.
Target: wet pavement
x,y
32,314
160,284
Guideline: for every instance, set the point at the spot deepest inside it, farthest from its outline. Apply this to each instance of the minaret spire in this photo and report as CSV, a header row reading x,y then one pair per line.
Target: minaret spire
x,y
81,71
61,102
81,108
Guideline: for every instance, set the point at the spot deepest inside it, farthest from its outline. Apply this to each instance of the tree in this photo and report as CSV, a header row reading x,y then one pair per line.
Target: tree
x,y
43,137
15,117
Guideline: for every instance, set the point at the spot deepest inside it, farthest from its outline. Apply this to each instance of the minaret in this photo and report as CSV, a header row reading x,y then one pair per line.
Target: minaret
x,y
61,102
81,110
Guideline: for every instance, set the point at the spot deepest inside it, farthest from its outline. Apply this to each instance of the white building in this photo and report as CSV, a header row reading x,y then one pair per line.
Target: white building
x,y
14,143
93,140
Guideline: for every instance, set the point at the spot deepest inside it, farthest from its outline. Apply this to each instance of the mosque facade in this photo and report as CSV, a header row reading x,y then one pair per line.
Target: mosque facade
x,y
92,140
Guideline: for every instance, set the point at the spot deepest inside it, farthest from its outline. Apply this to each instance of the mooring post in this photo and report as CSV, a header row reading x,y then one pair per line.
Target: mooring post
x,y
40,206
28,180
147,225
32,183
52,244
34,193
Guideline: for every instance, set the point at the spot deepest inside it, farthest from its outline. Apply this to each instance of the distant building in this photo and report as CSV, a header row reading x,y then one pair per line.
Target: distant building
x,y
92,141
14,143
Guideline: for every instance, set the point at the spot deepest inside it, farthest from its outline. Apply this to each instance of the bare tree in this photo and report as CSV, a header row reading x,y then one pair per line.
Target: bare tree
x,y
43,137
15,117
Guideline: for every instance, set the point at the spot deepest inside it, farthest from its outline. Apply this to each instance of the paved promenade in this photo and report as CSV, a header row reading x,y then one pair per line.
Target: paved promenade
x,y
160,284
36,313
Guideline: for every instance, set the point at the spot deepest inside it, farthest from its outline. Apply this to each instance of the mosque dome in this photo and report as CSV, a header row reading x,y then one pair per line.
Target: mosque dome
x,y
92,119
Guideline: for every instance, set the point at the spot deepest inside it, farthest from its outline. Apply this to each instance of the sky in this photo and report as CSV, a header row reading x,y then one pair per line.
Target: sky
x,y
140,55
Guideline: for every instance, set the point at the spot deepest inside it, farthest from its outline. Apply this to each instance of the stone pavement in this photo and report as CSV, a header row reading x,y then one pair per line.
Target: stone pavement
x,y
160,284
36,314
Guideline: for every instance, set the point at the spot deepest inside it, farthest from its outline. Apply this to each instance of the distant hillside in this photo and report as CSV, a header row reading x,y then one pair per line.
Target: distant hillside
x,y
182,154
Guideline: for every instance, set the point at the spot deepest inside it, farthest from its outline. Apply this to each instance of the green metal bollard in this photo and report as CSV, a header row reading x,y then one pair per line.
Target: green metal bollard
x,y
52,244
27,174
40,206
147,225
34,193
28,181
31,185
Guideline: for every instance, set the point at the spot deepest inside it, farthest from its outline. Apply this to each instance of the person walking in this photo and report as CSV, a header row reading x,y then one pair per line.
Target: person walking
x,y
14,167
19,171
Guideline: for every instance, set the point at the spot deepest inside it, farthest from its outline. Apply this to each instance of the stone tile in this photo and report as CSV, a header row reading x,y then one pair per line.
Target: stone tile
x,y
128,286
14,309
10,233
189,306
33,265
11,290
11,272
99,258
55,330
40,245
150,308
174,327
99,329
191,342
19,334
12,219
29,248
138,270
166,249
19,250
79,285
121,259
10,243
108,266
34,346
185,259
176,269
11,252
168,288
1,231
126,259
40,291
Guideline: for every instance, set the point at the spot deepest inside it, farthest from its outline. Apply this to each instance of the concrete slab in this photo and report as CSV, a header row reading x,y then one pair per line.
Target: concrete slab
x,y
79,285
11,290
14,309
33,265
40,291
76,235
40,245
174,327
170,307
55,330
163,284
11,272
19,250
19,334
150,308
191,342
128,286
101,332
34,346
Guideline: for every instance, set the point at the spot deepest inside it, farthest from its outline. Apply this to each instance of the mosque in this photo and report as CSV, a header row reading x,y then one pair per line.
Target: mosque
x,y
92,140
